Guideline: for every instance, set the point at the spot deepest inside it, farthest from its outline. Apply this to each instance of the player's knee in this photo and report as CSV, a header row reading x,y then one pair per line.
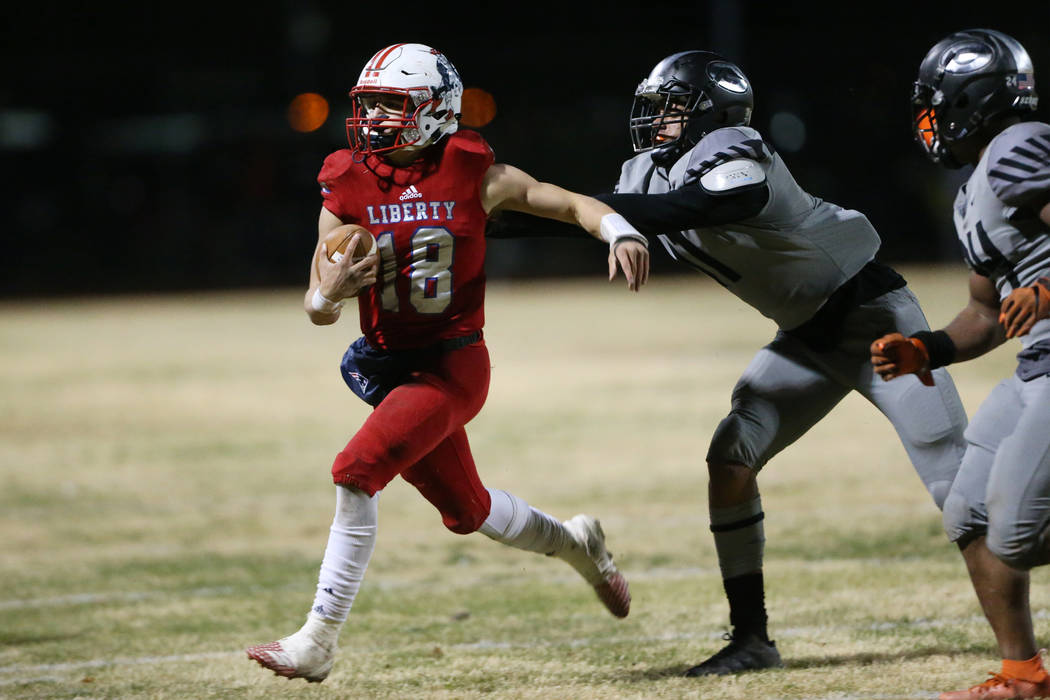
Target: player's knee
x,y
960,523
1021,548
349,469
939,490
465,521
743,437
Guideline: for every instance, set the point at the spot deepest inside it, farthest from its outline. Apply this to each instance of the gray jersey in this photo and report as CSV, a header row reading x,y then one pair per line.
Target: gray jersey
x,y
787,260
996,213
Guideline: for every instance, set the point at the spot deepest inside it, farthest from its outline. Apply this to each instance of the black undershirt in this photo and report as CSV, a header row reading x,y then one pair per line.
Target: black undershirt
x,y
679,210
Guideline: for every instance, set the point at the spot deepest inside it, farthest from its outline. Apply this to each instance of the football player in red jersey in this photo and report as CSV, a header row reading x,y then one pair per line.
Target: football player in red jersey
x,y
425,189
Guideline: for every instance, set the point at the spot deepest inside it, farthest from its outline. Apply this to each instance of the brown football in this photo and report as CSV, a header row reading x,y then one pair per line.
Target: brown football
x,y
337,240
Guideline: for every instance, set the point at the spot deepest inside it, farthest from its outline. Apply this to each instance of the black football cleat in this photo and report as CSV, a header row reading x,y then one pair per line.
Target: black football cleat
x,y
747,653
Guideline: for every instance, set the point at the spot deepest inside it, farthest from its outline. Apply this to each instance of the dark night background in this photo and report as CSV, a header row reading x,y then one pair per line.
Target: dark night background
x,y
148,149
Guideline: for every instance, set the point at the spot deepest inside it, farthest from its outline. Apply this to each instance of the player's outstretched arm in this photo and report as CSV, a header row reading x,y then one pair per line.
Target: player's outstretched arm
x,y
972,333
330,282
507,187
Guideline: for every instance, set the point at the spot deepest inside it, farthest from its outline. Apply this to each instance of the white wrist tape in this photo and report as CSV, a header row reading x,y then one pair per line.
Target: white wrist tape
x,y
615,228
319,302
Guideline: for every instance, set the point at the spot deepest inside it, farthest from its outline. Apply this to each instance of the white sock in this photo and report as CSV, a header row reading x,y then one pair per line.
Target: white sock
x,y
514,522
350,543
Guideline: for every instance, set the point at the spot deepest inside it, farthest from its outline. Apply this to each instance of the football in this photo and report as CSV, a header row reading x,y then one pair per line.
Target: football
x,y
337,240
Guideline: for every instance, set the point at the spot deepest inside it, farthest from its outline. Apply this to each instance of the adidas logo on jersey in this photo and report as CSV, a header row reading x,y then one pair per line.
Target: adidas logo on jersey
x,y
411,193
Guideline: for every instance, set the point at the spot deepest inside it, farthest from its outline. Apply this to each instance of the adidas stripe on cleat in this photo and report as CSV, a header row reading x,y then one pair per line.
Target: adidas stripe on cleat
x,y
294,658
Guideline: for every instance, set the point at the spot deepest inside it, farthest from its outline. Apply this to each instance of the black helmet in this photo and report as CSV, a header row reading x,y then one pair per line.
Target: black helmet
x,y
968,79
702,91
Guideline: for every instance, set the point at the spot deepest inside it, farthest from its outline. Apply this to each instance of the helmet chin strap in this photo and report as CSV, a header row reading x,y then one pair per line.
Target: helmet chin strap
x,y
667,155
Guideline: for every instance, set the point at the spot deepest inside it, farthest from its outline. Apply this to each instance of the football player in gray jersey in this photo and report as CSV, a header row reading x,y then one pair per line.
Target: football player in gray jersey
x,y
722,201
974,89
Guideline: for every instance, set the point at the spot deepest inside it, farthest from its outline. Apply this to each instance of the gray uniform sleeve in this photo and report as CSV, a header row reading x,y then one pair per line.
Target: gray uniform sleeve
x,y
1019,165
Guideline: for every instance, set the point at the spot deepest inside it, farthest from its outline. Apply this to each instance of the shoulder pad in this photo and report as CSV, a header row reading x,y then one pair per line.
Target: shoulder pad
x,y
335,165
1019,163
723,145
470,142
732,175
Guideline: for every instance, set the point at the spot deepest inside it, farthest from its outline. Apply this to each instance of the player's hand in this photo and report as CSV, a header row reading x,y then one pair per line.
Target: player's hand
x,y
1024,306
633,258
344,279
894,355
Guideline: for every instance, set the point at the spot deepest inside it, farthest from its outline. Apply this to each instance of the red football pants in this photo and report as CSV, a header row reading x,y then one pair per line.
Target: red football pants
x,y
417,432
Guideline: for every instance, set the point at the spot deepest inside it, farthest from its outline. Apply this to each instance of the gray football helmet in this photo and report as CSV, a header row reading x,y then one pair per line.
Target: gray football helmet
x,y
967,80
700,90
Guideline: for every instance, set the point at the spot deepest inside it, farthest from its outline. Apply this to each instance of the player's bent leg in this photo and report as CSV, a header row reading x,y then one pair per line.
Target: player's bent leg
x,y
579,541
448,478
310,652
1019,485
930,422
781,394
1001,590
736,523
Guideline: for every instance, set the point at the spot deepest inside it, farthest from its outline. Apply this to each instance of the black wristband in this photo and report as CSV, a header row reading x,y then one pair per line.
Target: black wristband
x,y
939,346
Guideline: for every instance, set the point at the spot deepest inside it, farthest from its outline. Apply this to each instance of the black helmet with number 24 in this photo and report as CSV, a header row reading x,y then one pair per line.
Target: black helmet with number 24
x,y
700,90
968,81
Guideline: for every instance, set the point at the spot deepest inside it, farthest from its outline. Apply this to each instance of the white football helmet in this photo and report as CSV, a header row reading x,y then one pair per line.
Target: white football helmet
x,y
430,93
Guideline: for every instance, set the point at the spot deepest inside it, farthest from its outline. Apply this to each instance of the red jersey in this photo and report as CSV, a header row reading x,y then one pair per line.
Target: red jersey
x,y
430,229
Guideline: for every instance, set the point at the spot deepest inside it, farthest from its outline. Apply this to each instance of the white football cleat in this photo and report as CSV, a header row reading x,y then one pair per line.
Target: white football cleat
x,y
594,562
296,656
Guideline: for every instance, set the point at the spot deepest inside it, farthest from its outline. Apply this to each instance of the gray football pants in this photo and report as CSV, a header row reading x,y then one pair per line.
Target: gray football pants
x,y
1003,486
788,387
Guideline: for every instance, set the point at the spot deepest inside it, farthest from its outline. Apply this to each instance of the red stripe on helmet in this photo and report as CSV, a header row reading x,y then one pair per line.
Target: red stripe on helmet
x,y
381,56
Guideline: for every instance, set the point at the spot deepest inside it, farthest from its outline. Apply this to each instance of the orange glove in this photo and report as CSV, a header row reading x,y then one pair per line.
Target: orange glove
x,y
894,355
1024,306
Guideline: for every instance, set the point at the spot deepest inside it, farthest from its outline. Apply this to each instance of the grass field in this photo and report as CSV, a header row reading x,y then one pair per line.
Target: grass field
x,y
165,498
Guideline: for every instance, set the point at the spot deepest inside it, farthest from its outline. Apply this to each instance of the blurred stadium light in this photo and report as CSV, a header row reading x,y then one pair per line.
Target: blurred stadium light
x,y
132,123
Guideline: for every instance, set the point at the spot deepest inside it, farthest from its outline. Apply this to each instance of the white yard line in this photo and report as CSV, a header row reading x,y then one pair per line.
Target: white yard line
x,y
133,596
378,583
99,663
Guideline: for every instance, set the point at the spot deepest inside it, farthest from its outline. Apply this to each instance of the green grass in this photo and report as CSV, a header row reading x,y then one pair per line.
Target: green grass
x,y
165,498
